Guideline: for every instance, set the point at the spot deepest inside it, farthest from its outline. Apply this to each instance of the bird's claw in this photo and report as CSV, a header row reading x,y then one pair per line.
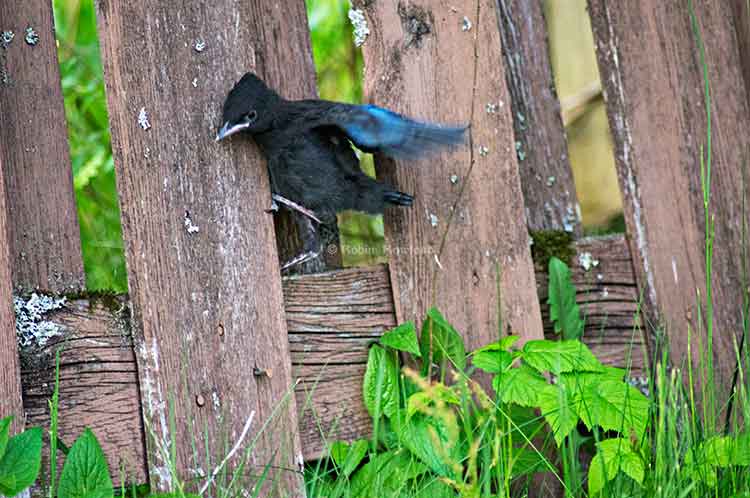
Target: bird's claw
x,y
300,259
274,207
296,207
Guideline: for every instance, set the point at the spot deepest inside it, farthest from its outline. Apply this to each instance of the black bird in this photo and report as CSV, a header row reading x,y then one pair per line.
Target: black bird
x,y
312,166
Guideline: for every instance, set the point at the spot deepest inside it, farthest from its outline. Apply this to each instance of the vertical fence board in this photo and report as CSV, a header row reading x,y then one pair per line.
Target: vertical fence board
x,y
10,376
654,89
443,63
742,23
549,190
43,223
202,262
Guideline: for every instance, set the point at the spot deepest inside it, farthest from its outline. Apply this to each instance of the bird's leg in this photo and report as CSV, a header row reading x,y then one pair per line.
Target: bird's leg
x,y
310,243
293,206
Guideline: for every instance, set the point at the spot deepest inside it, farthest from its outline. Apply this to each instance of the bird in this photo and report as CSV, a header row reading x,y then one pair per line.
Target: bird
x,y
309,145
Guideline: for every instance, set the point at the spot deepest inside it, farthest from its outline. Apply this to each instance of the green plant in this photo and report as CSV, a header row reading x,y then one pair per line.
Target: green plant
x,y
20,458
439,432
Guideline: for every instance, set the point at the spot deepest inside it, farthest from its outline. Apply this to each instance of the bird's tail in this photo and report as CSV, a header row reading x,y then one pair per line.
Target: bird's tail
x,y
398,198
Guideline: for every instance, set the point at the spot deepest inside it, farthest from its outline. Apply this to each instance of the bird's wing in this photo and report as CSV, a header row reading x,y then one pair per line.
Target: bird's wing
x,y
374,129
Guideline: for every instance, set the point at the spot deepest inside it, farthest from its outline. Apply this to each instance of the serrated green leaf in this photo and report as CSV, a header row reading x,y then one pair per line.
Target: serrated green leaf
x,y
611,405
558,409
520,385
381,382
439,337
348,457
560,357
403,338
19,466
85,473
614,455
508,341
492,361
503,344
4,433
563,309
718,452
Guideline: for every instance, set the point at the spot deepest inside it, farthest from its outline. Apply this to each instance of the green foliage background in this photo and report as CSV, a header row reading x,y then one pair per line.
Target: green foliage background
x,y
339,66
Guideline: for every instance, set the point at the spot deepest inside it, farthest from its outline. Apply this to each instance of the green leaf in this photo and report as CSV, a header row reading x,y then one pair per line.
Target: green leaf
x,y
508,341
560,357
434,441
403,338
492,361
85,473
503,344
527,461
520,385
563,309
435,488
20,464
4,431
558,409
718,452
610,404
381,382
348,457
371,475
172,495
614,455
440,338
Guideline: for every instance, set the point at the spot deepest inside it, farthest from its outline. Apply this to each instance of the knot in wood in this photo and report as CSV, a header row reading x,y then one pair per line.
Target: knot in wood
x,y
416,23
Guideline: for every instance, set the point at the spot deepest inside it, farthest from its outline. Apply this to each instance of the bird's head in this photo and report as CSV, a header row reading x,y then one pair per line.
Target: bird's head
x,y
247,107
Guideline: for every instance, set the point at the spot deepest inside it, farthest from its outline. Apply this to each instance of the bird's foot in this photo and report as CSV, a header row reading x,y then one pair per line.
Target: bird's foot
x,y
294,206
274,207
300,259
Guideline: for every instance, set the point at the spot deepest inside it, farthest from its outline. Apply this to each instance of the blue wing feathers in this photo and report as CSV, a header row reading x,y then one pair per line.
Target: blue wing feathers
x,y
375,128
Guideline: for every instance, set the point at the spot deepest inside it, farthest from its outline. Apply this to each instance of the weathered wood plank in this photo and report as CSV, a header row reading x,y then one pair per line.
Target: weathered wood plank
x,y
742,25
608,299
10,378
426,61
658,120
202,261
98,381
328,342
43,222
549,190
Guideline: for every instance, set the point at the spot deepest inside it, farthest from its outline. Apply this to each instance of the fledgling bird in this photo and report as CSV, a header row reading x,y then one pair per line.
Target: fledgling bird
x,y
312,166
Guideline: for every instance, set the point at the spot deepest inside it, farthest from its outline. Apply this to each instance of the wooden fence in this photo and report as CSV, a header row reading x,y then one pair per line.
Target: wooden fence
x,y
209,331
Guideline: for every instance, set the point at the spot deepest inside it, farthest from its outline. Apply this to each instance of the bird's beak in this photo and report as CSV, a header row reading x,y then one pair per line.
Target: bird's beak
x,y
229,129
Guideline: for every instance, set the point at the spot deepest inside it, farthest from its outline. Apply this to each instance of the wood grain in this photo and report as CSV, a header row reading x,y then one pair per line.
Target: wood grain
x,y
654,89
98,381
742,25
10,377
549,190
332,319
207,304
43,222
446,250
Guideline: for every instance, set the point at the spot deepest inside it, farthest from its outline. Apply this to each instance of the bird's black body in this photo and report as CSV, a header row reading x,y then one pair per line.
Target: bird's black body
x,y
317,168
308,145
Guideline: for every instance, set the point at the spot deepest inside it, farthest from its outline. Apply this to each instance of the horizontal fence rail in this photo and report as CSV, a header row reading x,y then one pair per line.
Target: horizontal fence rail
x,y
331,318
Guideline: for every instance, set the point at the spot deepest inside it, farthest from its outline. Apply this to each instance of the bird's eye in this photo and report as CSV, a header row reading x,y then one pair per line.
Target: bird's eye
x,y
250,117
